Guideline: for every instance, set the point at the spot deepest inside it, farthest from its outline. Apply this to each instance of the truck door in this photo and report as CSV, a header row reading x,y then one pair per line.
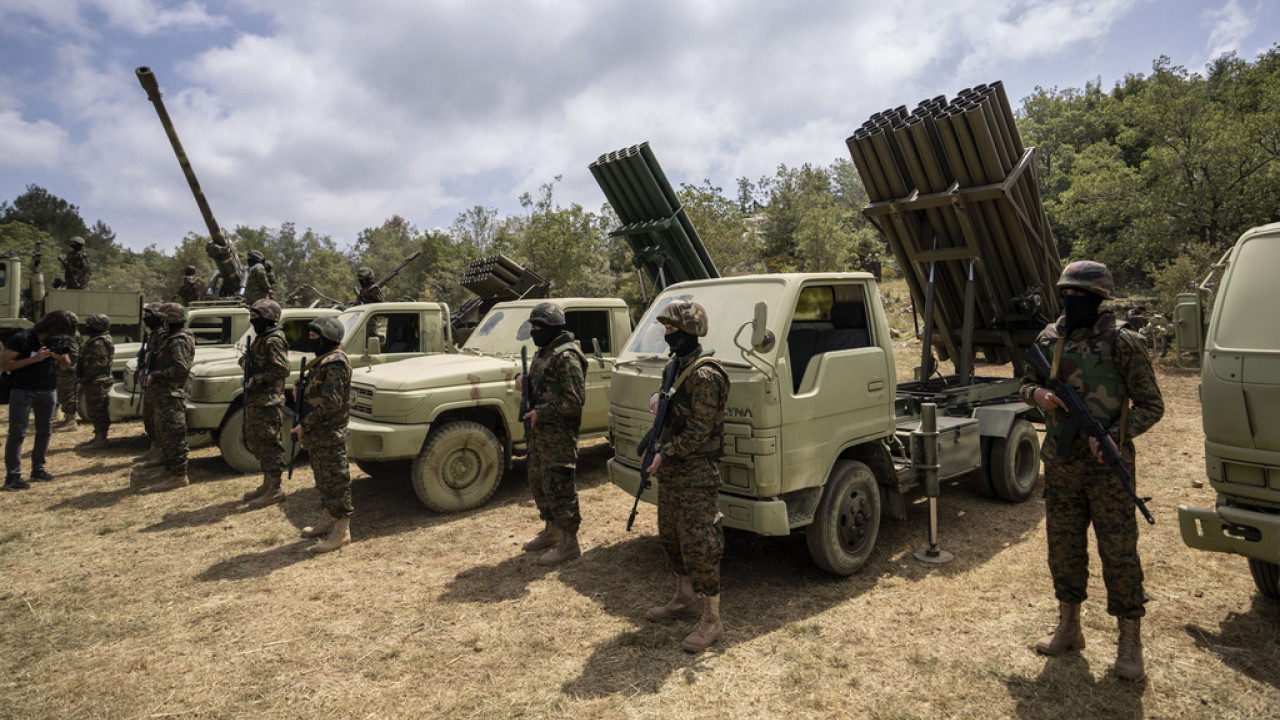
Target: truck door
x,y
840,386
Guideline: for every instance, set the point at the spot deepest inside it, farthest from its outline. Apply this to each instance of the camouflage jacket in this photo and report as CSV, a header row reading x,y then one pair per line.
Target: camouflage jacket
x,y
257,286
77,270
172,363
269,355
695,424
558,386
73,354
1108,365
190,289
95,359
327,399
371,294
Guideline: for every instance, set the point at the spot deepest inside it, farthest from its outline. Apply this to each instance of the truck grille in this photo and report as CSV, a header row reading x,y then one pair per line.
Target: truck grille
x,y
361,400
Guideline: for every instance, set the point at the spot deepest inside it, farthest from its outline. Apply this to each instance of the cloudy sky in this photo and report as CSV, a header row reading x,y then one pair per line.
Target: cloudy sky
x,y
336,115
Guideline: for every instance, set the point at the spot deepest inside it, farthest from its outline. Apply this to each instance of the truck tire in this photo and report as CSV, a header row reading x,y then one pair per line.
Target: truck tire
x,y
459,467
1266,575
385,468
1014,464
980,479
847,521
237,455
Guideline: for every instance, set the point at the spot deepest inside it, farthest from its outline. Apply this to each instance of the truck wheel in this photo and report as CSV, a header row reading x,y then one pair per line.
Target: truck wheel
x,y
847,521
459,467
236,453
385,468
980,479
1266,575
1014,463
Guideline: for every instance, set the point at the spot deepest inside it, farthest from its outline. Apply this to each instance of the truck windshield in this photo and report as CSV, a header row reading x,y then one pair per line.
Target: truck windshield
x,y
502,332
729,306
1251,290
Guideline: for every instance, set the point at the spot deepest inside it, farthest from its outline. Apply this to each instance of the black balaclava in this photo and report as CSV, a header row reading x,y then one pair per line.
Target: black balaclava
x,y
681,342
152,321
260,324
543,334
1081,310
321,345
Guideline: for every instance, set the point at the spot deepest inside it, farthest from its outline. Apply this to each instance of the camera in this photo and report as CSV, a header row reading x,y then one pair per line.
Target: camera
x,y
57,344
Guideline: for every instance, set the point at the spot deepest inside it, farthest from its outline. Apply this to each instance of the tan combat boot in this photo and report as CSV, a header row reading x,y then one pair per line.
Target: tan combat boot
x,y
709,628
170,481
683,605
269,494
68,422
1067,636
1129,665
340,535
321,528
151,453
140,475
99,441
548,537
566,549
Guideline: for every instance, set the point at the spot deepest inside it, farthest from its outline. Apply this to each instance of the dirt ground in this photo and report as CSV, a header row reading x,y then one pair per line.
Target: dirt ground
x,y
115,604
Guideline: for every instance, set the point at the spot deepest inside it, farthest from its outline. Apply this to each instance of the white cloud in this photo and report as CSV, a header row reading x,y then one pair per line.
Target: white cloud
x,y
30,145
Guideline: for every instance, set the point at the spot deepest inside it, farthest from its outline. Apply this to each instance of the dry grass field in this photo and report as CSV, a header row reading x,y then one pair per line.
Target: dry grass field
x,y
115,604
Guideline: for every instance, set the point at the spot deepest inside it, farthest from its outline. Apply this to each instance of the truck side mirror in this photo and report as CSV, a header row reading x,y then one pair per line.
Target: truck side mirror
x,y
762,338
373,346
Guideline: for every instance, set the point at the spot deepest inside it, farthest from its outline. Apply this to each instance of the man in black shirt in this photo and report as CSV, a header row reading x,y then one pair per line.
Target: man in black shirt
x,y
32,357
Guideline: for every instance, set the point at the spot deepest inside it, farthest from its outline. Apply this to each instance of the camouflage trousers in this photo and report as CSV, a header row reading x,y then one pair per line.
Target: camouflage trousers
x,y
262,426
333,477
149,417
551,467
689,520
1080,493
97,403
68,398
170,417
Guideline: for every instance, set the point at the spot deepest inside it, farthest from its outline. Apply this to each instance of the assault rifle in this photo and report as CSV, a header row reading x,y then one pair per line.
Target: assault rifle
x,y
142,361
389,276
1079,418
526,397
649,445
299,389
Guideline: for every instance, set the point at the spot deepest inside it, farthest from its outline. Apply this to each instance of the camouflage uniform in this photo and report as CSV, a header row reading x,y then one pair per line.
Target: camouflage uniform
x,y
167,393
190,289
1109,367
264,416
95,379
77,269
257,286
149,408
370,294
558,390
324,429
68,398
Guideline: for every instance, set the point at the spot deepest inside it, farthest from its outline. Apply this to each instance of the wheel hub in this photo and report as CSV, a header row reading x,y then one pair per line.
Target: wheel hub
x,y
854,520
461,468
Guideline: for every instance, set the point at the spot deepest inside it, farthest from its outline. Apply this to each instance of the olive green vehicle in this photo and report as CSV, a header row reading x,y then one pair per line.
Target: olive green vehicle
x,y
1239,395
24,299
375,334
451,423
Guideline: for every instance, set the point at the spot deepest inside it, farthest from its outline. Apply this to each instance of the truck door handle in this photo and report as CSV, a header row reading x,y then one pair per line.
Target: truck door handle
x,y
875,386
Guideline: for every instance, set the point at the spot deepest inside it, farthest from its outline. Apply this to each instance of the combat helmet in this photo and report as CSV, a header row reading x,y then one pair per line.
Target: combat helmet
x,y
172,312
328,328
189,270
255,257
98,322
365,274
77,241
685,315
1089,276
547,313
267,309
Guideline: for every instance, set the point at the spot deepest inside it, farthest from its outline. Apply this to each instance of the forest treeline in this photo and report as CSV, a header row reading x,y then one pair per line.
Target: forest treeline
x,y
1156,177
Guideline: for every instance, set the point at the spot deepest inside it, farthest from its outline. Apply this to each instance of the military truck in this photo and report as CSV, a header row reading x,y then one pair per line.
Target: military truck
x,y
24,300
1239,393
451,423
376,334
820,436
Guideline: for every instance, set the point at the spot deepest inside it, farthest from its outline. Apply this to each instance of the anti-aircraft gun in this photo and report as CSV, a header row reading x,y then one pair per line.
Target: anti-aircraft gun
x,y
230,276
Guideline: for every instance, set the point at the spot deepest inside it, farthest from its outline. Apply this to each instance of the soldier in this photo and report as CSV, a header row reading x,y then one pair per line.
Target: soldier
x,y
1108,365
272,280
369,293
558,389
95,377
151,318
689,476
167,393
76,268
68,398
322,429
264,407
190,289
258,285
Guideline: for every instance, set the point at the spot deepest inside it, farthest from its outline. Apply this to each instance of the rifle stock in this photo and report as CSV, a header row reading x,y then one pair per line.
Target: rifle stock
x,y
648,447
1082,419
299,389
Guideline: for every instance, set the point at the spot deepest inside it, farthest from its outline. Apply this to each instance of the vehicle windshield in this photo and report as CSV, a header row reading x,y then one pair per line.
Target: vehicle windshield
x,y
729,305
296,333
502,332
1252,289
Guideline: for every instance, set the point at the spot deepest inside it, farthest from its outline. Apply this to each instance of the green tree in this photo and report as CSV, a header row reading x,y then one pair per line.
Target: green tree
x,y
564,245
733,248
